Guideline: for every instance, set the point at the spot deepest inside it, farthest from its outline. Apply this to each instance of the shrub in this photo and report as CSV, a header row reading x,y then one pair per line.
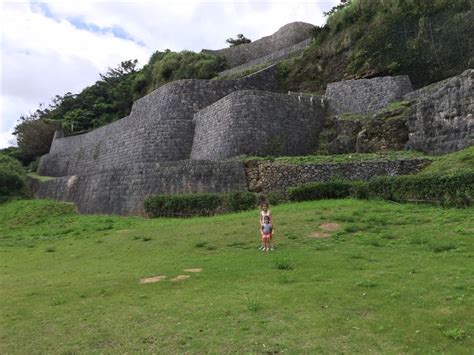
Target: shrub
x,y
12,176
199,204
277,197
182,205
321,190
239,201
447,190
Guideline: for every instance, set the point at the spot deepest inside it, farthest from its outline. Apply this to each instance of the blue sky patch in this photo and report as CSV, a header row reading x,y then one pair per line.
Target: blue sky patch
x,y
80,24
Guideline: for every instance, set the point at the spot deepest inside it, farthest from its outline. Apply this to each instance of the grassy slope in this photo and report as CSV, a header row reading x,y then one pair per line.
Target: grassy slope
x,y
395,279
341,158
462,161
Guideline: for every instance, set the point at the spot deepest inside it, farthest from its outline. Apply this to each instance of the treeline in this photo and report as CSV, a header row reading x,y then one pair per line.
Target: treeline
x,y
426,40
108,100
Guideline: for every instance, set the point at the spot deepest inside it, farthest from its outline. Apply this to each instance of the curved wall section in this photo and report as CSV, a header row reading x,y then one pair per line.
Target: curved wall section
x,y
257,123
159,128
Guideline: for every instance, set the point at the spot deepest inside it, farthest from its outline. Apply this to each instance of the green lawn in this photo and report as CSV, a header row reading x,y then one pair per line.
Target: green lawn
x,y
395,278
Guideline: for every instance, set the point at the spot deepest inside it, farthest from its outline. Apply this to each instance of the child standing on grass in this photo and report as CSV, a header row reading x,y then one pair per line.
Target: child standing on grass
x,y
265,212
266,231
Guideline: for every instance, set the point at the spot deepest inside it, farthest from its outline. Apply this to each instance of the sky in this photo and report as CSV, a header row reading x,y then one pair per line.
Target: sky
x,y
51,48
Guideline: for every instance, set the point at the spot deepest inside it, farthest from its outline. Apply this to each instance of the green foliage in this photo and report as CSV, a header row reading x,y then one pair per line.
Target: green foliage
x,y
182,205
427,40
448,190
239,201
341,158
320,190
199,204
12,176
168,66
277,197
451,164
283,263
34,136
240,39
107,100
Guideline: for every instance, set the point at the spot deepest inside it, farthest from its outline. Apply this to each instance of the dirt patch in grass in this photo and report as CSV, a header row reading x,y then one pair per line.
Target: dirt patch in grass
x,y
330,227
152,279
180,278
326,230
319,235
197,269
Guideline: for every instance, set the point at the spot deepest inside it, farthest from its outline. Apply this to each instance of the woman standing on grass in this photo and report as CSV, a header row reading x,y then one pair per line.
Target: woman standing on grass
x,y
265,212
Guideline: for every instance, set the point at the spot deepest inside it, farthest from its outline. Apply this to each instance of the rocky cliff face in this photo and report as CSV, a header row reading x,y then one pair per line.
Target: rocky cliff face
x,y
354,133
442,119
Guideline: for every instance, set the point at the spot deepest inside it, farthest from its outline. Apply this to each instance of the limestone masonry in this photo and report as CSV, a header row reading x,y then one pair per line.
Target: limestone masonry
x,y
177,138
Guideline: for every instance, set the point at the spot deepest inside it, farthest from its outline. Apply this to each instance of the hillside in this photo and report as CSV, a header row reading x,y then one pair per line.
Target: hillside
x,y
428,41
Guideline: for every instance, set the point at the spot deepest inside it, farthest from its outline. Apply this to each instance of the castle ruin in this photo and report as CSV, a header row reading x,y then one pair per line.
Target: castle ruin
x,y
181,138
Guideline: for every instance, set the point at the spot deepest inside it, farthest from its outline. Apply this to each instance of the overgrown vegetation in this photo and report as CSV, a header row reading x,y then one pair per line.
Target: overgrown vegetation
x,y
453,163
12,176
168,66
426,40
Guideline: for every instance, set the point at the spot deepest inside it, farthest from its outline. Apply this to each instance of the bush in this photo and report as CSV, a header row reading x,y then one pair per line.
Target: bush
x,y
182,205
277,197
447,190
321,190
200,204
12,176
239,201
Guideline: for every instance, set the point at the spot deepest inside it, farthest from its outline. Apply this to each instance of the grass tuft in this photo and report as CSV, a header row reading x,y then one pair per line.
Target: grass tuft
x,y
283,263
253,305
367,284
442,246
456,333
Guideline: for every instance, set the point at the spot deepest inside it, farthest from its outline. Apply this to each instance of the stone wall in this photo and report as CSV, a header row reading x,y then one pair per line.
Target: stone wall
x,y
123,189
270,58
442,119
159,127
366,95
265,177
286,36
257,123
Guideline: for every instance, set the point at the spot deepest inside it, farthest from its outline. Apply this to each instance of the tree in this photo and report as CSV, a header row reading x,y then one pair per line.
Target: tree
x,y
241,39
343,4
34,137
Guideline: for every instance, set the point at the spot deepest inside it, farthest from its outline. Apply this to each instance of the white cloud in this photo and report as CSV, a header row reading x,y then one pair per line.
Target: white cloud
x,y
46,52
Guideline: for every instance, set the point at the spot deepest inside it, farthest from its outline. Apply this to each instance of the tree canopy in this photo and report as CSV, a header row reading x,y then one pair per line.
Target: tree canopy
x,y
241,39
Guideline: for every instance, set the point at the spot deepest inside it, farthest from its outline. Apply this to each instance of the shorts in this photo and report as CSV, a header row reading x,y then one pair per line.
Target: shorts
x,y
266,236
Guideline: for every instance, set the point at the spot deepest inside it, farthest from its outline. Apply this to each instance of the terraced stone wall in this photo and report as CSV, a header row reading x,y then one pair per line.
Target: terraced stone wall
x,y
258,123
159,128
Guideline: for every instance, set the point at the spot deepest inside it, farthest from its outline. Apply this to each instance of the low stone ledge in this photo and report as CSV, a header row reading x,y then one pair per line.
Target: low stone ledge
x,y
264,177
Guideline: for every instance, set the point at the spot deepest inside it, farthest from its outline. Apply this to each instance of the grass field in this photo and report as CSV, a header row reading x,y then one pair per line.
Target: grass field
x,y
394,278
